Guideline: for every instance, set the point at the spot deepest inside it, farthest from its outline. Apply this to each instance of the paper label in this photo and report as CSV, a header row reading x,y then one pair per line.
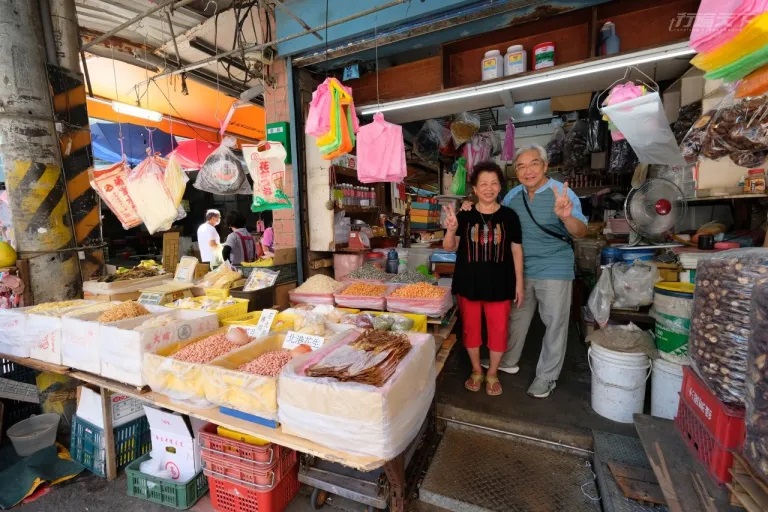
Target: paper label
x,y
294,339
261,329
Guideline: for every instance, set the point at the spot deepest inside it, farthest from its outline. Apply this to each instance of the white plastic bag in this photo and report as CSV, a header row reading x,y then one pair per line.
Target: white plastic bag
x,y
601,298
633,283
644,125
176,183
154,204
266,165
222,173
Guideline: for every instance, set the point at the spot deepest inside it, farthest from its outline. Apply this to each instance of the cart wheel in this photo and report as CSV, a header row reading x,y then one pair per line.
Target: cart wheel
x,y
318,498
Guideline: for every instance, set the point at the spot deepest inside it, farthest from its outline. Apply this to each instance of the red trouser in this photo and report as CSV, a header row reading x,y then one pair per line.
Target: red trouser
x,y
496,323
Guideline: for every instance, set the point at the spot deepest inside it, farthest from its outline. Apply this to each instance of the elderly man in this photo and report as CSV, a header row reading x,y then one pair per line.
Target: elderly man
x,y
550,216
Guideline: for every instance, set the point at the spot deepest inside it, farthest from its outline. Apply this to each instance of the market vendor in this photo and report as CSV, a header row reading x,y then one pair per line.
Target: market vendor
x,y
550,215
208,237
240,245
489,271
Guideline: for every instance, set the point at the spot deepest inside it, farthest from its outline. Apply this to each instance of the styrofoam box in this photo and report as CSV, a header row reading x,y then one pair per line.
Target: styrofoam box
x,y
13,340
43,334
122,348
80,337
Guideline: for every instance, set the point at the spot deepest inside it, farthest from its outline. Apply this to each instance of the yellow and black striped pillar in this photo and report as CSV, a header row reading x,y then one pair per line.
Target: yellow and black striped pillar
x,y
69,104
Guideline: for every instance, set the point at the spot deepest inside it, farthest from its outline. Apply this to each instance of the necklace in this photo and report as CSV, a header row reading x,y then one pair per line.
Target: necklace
x,y
486,222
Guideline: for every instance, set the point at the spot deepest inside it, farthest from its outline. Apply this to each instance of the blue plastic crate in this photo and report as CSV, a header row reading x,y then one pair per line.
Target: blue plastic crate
x,y
132,440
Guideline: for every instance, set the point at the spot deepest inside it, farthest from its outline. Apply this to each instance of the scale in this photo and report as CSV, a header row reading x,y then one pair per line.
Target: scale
x,y
179,288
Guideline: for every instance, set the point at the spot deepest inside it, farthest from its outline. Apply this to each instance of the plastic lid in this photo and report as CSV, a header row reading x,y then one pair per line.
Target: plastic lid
x,y
756,171
515,48
675,289
727,245
492,53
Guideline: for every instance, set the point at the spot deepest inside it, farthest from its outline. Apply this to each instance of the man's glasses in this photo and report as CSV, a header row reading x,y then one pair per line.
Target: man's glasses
x,y
534,165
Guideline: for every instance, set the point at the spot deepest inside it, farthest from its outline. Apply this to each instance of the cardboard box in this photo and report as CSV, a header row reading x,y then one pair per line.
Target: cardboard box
x,y
571,102
688,89
124,408
719,177
714,93
281,294
284,256
174,444
113,297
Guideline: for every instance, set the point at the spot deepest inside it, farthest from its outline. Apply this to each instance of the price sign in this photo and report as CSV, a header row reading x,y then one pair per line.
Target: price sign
x,y
261,329
294,339
151,299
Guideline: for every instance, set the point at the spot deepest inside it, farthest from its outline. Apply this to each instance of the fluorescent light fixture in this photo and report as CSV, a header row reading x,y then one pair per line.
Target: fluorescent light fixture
x,y
564,73
190,68
528,109
133,110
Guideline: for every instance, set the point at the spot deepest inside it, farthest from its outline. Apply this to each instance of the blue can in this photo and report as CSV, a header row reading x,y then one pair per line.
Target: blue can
x,y
642,255
610,255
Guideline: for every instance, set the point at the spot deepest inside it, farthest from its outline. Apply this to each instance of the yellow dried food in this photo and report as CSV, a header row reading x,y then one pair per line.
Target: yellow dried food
x,y
129,309
48,307
419,291
365,289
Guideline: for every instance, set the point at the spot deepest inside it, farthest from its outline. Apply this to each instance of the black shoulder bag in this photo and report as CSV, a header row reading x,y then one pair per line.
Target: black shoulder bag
x,y
564,238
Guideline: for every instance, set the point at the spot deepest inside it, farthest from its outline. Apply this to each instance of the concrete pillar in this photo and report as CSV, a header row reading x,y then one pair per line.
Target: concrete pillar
x,y
29,156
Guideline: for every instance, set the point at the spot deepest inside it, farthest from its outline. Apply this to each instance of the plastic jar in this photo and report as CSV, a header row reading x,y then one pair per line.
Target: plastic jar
x,y
755,182
515,61
493,65
544,55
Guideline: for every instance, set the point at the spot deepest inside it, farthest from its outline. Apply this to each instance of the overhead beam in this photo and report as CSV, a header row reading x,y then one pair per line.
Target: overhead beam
x,y
175,4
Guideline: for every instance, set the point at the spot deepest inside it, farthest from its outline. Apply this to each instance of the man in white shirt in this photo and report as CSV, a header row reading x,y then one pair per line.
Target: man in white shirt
x,y
207,237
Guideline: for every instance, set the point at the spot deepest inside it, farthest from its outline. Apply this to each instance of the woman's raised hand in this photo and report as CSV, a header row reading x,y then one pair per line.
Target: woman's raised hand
x,y
451,222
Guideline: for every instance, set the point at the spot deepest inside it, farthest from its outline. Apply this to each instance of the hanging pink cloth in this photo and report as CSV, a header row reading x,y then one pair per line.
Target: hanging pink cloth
x,y
381,152
718,21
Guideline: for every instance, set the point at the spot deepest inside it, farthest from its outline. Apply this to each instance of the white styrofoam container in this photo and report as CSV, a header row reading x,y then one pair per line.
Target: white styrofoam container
x,y
122,348
13,340
80,337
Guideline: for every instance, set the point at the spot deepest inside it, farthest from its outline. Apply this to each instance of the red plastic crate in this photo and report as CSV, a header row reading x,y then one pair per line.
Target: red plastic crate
x,y
724,423
265,477
229,496
265,455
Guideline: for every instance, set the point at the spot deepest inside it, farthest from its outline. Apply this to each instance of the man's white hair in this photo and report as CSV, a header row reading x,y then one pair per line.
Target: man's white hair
x,y
533,147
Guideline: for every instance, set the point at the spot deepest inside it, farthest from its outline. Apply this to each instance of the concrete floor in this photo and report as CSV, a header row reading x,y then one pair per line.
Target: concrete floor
x,y
565,417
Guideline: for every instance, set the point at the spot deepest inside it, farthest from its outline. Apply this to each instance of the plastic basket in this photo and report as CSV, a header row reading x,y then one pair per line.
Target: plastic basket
x,y
14,371
230,496
132,440
263,454
263,477
160,490
240,308
16,411
724,423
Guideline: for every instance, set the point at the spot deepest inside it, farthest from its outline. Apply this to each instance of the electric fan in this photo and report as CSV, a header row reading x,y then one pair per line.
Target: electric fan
x,y
655,210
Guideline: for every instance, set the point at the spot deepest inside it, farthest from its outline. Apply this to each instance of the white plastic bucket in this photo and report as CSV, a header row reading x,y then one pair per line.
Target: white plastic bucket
x,y
618,382
666,383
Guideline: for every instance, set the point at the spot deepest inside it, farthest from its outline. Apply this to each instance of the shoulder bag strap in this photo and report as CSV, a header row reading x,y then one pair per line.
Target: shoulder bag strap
x,y
551,233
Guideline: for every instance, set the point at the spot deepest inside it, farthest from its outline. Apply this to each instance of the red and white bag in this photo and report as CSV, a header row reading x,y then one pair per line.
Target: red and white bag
x,y
110,184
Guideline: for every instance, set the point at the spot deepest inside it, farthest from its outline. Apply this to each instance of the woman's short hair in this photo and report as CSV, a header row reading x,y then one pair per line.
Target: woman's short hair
x,y
235,220
486,166
533,147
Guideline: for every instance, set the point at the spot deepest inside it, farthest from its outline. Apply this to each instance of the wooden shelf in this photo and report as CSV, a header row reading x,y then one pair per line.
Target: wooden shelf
x,y
726,198
359,209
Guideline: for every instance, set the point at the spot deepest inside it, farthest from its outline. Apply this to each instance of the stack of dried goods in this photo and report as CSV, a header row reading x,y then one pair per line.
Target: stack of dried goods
x,y
223,277
365,289
206,349
408,276
756,444
57,308
419,291
368,273
137,272
319,284
269,364
720,325
371,359
128,309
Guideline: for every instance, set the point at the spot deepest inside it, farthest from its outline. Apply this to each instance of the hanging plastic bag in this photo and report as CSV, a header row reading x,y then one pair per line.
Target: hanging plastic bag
x,y
644,124
318,120
381,152
266,165
601,298
633,283
556,147
623,158
431,137
598,135
477,150
110,185
739,126
576,152
464,127
459,184
508,151
495,139
176,183
154,203
222,173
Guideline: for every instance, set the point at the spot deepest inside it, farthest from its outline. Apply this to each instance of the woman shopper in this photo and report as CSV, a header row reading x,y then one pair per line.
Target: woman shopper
x,y
240,246
489,271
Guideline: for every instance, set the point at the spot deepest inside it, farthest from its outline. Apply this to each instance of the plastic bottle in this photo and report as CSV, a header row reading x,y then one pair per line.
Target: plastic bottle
x,y
393,261
609,41
492,65
515,61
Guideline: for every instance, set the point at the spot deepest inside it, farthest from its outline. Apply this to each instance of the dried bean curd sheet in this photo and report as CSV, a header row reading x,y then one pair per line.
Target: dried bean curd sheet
x,y
372,359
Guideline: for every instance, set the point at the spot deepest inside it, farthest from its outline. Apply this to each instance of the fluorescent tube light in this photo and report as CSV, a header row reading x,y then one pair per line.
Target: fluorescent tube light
x,y
133,110
564,73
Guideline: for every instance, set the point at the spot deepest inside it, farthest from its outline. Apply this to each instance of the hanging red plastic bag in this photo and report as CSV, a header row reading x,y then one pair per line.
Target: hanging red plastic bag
x,y
223,173
110,184
266,165
477,150
318,120
154,204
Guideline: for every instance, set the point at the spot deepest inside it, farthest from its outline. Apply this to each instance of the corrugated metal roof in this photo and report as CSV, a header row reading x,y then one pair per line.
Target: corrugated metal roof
x,y
102,16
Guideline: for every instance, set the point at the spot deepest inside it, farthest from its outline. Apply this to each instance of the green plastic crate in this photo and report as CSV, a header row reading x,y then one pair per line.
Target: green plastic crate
x,y
132,440
162,491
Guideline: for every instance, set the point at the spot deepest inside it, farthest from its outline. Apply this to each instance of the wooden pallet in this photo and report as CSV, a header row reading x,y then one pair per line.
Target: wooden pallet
x,y
748,489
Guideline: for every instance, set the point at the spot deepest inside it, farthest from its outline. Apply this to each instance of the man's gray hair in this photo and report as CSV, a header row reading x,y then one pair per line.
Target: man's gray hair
x,y
211,214
533,147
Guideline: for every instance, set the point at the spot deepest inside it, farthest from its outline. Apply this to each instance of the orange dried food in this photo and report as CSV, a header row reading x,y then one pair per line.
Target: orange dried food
x,y
420,291
365,289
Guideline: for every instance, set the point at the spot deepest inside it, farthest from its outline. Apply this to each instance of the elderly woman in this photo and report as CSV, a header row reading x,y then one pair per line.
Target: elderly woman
x,y
489,271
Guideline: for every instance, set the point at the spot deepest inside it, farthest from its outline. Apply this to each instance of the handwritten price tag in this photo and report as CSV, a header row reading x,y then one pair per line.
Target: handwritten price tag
x,y
294,339
261,329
